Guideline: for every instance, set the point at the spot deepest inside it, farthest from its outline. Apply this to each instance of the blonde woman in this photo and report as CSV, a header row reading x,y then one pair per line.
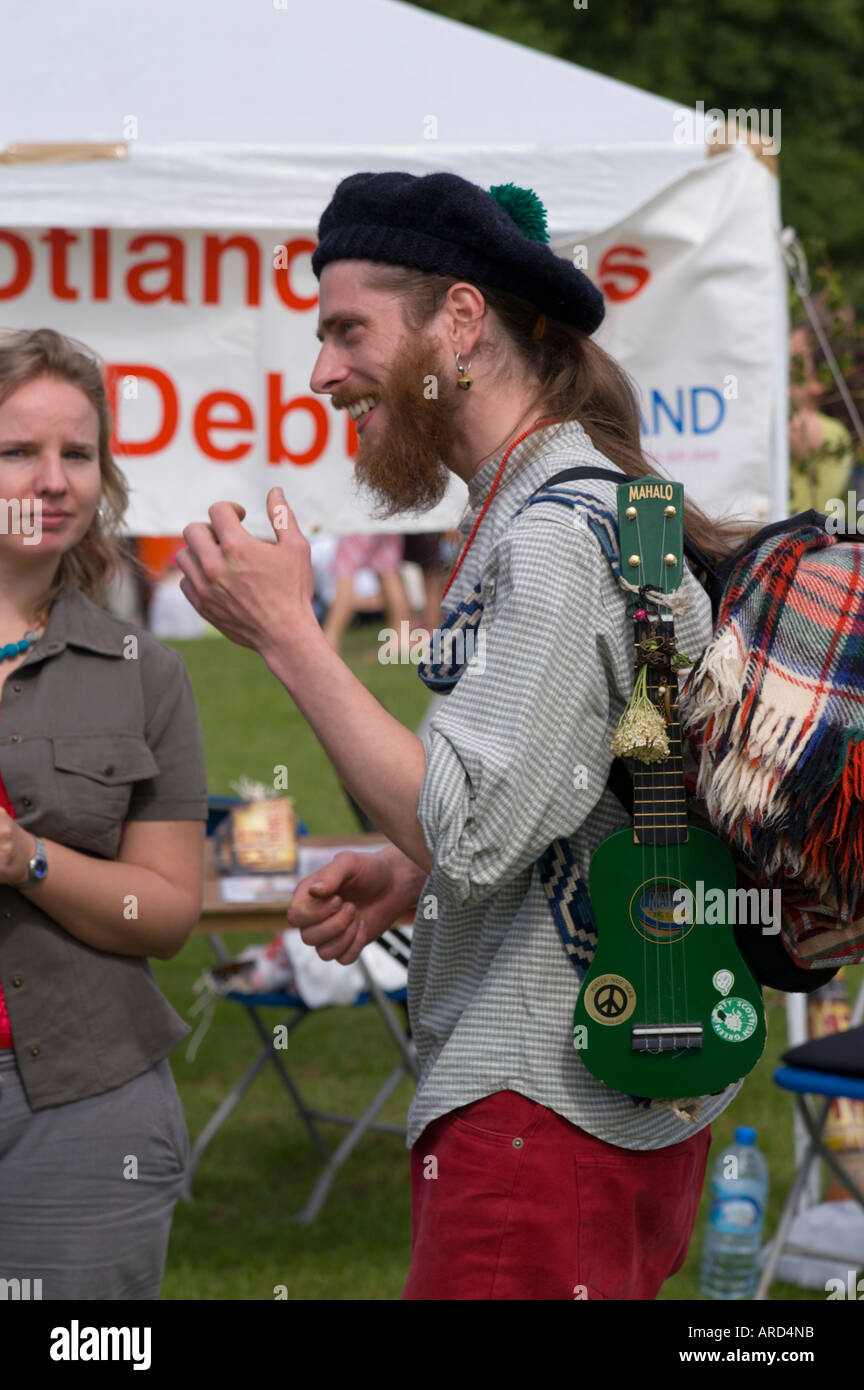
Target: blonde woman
x,y
103,804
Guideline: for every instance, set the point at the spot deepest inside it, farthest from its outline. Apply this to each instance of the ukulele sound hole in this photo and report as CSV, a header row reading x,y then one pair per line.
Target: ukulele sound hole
x,y
655,911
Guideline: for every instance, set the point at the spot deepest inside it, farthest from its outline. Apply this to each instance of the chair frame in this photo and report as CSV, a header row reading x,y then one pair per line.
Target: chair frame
x,y
357,1126
814,1121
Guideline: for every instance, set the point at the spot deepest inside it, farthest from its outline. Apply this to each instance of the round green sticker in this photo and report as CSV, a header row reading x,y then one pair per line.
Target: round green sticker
x,y
733,1019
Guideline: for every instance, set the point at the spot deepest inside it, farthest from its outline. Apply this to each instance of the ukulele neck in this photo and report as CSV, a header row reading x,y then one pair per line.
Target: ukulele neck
x,y
659,796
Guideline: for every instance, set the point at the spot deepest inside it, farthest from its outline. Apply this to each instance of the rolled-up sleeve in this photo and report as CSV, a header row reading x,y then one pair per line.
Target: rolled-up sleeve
x,y
519,752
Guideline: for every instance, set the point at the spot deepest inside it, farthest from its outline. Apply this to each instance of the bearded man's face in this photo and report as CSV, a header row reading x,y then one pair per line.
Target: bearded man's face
x,y
368,355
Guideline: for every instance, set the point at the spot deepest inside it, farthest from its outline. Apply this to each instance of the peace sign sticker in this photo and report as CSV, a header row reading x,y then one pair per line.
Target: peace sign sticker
x,y
610,999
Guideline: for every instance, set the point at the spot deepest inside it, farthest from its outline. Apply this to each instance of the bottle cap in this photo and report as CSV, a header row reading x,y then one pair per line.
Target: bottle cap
x,y
745,1134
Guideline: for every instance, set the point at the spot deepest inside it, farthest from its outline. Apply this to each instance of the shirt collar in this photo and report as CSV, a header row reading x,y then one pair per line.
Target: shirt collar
x,y
75,621
479,485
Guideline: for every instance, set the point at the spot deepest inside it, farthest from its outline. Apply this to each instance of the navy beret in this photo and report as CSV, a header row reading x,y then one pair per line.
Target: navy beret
x,y
445,225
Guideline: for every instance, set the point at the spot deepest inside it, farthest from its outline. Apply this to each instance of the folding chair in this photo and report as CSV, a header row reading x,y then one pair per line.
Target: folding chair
x,y
295,1011
830,1066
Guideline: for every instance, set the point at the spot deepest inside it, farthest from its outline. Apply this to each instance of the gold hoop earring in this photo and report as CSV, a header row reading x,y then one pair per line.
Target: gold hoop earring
x,y
462,368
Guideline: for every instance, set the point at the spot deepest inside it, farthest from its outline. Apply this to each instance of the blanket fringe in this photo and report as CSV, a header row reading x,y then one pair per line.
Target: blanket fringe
x,y
803,812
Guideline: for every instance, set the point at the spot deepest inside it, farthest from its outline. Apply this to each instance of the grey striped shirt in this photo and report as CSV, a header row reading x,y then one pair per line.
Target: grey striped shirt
x,y
491,991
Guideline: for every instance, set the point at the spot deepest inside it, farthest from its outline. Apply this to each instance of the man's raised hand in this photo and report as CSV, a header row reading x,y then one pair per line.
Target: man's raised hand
x,y
255,591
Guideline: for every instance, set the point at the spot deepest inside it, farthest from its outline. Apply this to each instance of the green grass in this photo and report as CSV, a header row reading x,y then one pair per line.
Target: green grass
x,y
251,726
237,1239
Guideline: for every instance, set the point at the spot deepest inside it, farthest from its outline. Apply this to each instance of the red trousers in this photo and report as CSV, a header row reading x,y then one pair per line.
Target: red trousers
x,y
511,1201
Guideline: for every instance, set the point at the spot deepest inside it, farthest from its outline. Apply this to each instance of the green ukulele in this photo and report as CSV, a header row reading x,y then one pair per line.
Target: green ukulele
x,y
669,1007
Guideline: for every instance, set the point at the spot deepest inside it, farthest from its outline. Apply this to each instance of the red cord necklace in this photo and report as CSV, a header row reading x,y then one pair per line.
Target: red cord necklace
x,y
540,424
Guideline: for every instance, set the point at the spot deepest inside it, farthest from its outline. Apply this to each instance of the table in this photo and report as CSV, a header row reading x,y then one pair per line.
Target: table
x,y
263,916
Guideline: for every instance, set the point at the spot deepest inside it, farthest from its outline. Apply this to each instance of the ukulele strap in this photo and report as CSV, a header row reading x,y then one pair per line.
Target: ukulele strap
x,y
565,889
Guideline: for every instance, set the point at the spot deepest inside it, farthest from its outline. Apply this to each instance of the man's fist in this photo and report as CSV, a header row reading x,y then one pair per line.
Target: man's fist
x,y
349,903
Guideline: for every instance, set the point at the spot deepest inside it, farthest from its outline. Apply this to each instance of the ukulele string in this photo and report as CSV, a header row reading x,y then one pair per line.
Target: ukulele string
x,y
644,894
664,788
667,777
677,778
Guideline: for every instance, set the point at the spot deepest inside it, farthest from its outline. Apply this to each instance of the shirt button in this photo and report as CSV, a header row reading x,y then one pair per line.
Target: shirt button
x,y
17,686
517,1143
6,912
25,801
34,1052
16,738
108,769
17,981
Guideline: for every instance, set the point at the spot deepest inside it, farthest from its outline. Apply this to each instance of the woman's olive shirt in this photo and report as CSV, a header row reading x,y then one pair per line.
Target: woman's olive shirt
x,y
99,726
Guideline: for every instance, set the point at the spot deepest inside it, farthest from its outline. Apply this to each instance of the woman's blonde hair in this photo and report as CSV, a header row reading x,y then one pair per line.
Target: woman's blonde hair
x,y
27,356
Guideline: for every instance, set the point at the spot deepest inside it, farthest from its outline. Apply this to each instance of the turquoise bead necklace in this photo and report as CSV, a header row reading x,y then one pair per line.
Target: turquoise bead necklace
x,y
16,648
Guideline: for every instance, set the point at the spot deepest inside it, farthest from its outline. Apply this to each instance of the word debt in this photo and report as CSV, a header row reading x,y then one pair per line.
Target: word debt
x,y
221,420
99,265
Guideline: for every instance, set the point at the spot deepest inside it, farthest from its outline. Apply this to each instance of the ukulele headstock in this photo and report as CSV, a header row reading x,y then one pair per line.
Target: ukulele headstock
x,y
651,532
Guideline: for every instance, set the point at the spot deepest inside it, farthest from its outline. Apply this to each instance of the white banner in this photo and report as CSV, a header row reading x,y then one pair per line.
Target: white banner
x,y
210,340
694,292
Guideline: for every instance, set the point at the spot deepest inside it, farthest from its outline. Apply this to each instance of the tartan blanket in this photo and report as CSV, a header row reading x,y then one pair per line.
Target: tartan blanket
x,y
776,702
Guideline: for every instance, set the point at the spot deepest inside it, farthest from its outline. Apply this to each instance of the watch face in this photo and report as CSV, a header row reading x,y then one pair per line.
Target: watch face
x,y
39,862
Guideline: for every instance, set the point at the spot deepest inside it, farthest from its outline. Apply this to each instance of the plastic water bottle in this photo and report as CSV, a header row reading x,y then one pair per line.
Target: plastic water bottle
x,y
733,1236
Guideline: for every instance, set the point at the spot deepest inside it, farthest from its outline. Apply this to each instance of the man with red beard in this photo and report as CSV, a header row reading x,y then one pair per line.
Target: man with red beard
x,y
461,344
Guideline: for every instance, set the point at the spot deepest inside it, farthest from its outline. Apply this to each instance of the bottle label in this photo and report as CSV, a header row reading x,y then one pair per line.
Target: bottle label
x,y
741,1212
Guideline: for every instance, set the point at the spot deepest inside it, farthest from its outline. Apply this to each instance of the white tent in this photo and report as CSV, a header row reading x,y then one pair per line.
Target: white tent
x,y
232,118
245,115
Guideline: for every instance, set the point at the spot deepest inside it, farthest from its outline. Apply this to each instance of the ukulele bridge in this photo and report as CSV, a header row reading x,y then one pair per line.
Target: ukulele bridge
x,y
665,1037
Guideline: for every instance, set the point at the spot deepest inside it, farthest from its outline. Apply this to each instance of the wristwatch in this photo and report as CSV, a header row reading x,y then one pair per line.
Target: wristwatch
x,y
38,865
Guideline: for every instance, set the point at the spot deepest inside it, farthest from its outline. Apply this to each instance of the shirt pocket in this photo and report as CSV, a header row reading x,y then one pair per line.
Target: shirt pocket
x,y
94,775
